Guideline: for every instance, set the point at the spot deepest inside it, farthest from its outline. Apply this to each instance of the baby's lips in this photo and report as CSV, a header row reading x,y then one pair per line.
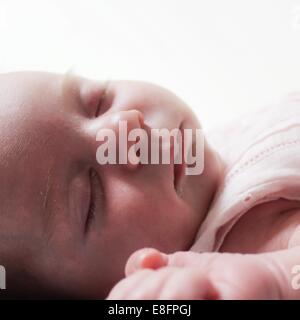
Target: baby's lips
x,y
146,258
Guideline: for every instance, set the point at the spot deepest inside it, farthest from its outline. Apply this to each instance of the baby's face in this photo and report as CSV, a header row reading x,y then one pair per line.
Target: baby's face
x,y
49,176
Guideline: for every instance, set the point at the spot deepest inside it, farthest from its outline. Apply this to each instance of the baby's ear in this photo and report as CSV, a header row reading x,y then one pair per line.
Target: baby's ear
x,y
146,258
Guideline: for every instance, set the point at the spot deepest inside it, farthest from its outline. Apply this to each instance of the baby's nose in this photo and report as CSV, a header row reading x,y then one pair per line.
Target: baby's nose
x,y
133,119
111,131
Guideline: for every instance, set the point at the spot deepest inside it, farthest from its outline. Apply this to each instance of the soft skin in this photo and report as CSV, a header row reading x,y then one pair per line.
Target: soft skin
x,y
49,245
210,276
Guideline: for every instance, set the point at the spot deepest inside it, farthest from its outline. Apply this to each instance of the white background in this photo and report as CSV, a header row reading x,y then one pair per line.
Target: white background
x,y
222,57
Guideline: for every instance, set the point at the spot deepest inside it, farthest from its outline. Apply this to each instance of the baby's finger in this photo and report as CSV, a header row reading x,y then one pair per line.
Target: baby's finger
x,y
188,284
146,258
124,287
203,261
151,286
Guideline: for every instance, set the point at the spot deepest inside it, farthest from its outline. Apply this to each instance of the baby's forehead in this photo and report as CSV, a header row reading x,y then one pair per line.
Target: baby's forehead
x,y
36,80
28,77
28,105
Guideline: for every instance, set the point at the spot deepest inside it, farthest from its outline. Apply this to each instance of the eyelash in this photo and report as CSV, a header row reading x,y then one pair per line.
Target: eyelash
x,y
98,107
102,98
92,206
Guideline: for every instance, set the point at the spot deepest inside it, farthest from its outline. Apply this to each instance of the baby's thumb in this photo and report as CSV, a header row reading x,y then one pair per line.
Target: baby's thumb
x,y
146,258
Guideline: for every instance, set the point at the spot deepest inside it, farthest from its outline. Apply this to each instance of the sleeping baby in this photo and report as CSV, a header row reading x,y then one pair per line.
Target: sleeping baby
x,y
70,226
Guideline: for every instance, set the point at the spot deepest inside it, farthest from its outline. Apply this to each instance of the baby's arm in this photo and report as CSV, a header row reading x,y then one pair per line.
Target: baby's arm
x,y
188,275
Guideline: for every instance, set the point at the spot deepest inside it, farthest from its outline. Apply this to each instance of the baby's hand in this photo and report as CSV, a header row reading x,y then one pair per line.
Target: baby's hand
x,y
187,275
166,283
